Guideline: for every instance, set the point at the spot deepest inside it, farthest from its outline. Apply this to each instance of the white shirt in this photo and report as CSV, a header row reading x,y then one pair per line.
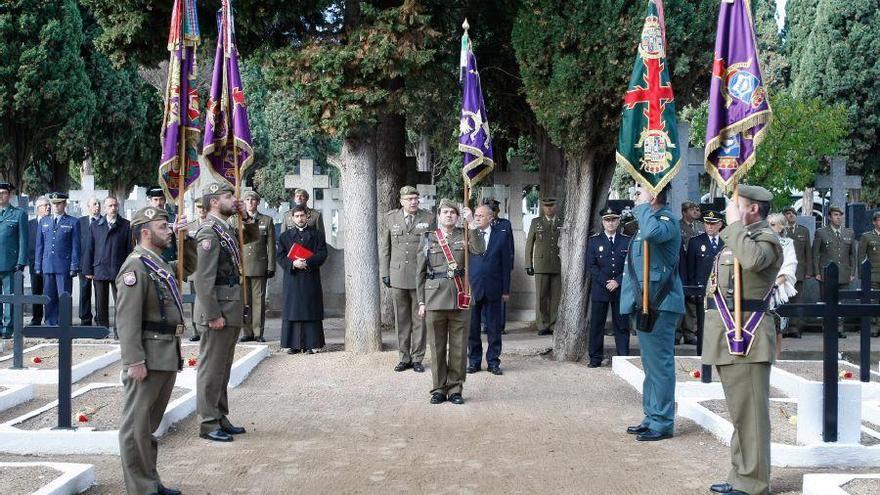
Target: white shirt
x,y
488,231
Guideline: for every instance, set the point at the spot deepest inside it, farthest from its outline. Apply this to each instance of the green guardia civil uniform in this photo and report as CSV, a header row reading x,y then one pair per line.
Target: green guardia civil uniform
x,y
745,379
869,249
837,246
218,294
398,251
259,266
542,256
149,324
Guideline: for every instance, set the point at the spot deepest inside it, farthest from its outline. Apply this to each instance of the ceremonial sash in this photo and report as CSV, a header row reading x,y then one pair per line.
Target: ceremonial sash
x,y
464,299
229,244
750,327
169,280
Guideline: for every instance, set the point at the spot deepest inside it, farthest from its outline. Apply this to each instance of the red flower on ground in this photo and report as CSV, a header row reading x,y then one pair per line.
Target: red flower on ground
x,y
36,360
696,374
82,418
846,375
192,362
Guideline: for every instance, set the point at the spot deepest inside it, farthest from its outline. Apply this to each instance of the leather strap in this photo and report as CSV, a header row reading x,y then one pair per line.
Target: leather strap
x,y
450,260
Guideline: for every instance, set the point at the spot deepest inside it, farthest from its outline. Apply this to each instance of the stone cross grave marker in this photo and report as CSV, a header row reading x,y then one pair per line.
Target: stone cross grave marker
x,y
517,179
838,182
87,191
427,196
686,184
17,300
306,178
65,332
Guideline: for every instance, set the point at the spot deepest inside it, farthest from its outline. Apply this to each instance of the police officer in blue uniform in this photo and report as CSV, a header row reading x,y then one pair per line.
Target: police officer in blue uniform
x,y
57,254
659,228
606,253
13,249
701,252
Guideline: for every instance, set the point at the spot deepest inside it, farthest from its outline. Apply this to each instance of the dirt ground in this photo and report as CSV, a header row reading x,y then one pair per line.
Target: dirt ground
x,y
338,423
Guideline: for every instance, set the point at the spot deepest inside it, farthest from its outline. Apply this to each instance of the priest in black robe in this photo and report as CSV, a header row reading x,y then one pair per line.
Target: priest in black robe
x,y
302,328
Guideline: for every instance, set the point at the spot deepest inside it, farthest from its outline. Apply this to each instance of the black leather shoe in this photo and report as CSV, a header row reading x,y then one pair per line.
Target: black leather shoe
x,y
233,430
456,399
690,339
594,365
164,490
637,430
545,332
418,368
245,338
437,398
473,369
403,366
195,338
503,332
652,436
293,351
726,488
496,370
841,335
217,435
259,339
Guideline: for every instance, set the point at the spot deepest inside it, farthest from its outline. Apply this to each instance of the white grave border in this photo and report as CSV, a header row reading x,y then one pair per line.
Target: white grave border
x,y
73,478
831,483
49,376
15,394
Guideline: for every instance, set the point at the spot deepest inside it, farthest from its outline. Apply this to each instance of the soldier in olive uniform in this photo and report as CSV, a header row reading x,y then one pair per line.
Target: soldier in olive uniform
x,y
259,267
149,325
301,197
158,200
835,243
869,248
218,311
440,288
803,248
191,229
542,261
745,376
13,249
399,249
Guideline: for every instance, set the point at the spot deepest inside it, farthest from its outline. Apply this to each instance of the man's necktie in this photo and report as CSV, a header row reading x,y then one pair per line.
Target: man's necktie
x,y
409,222
611,240
714,244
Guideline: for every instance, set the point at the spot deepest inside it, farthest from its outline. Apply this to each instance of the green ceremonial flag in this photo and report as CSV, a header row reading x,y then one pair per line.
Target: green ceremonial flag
x,y
648,143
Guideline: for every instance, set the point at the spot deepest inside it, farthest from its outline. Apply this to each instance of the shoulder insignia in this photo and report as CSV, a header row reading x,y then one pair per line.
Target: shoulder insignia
x,y
129,278
664,218
596,234
205,244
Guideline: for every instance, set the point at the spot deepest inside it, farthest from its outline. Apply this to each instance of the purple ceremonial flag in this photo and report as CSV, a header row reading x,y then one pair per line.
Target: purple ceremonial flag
x,y
474,140
182,119
739,110
227,143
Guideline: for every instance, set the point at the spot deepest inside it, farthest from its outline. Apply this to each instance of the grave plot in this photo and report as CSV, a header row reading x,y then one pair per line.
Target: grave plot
x,y
688,376
13,395
41,362
841,484
46,478
247,357
791,375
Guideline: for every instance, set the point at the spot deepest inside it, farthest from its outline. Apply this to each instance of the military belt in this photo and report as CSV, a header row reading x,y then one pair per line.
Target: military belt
x,y
227,281
445,275
160,328
750,305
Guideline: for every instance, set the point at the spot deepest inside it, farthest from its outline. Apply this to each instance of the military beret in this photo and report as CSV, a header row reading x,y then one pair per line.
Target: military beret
x,y
548,201
711,216
57,197
250,193
789,209
301,191
147,215
155,192
876,215
408,190
448,203
688,205
217,188
755,193
838,209
609,213
7,186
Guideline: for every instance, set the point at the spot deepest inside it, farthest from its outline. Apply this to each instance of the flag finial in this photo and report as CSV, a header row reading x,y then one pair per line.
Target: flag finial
x,y
465,25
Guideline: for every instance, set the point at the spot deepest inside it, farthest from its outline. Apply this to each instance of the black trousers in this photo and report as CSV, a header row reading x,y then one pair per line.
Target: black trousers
x,y
103,288
493,321
36,288
598,314
85,300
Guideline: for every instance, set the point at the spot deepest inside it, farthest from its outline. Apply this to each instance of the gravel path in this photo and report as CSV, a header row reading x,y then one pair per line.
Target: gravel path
x,y
48,356
862,486
26,479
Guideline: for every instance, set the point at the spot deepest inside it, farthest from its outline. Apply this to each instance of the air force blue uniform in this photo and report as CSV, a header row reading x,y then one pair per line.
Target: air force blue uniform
x,y
605,258
57,259
13,255
660,229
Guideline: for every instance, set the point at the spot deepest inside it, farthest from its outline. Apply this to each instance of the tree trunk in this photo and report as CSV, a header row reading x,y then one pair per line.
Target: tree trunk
x,y
551,165
357,163
390,177
570,336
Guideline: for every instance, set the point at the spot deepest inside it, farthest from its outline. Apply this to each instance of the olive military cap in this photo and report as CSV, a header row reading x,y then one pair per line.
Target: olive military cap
x,y
448,203
250,193
837,209
301,191
789,209
217,188
755,193
688,205
147,215
408,190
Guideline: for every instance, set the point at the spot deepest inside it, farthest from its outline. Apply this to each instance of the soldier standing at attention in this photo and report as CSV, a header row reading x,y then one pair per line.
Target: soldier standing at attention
x,y
399,251
57,253
158,200
442,302
41,209
700,258
606,253
542,261
301,197
690,227
803,248
835,243
218,310
746,377
150,324
869,248
191,229
259,266
666,305
13,249
86,285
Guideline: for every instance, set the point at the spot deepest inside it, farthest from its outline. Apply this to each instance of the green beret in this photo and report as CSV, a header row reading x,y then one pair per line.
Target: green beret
x,y
408,190
217,188
147,215
755,193
837,209
448,203
548,201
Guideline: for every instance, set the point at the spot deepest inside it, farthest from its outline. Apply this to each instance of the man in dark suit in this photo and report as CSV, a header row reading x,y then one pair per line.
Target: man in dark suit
x,y
489,277
41,209
93,214
498,222
109,244
57,255
606,253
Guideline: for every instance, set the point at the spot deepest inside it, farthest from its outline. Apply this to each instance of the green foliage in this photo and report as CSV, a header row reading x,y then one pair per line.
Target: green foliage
x,y
804,132
775,67
46,102
576,56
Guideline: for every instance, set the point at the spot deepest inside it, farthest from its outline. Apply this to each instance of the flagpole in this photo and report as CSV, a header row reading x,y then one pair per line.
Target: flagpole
x,y
646,276
467,286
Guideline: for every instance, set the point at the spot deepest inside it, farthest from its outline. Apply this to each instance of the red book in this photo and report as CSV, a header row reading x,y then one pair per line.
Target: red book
x,y
298,251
